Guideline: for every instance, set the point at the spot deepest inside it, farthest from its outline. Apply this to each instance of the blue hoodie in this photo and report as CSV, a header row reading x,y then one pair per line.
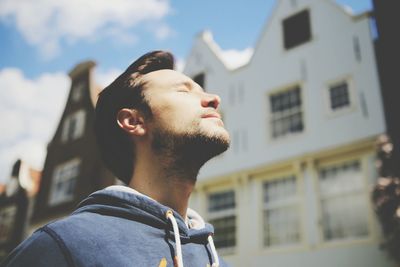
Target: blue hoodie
x,y
114,227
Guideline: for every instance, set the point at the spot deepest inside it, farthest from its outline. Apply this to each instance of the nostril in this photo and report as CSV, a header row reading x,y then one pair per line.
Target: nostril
x,y
212,104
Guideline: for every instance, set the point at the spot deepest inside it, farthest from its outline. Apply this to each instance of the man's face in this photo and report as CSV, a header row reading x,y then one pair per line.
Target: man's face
x,y
183,114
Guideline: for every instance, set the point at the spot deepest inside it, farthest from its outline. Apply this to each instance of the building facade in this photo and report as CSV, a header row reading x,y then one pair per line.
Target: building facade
x,y
73,167
303,113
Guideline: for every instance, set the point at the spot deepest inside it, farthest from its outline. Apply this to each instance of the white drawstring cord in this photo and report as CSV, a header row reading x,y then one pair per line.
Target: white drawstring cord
x,y
179,258
213,251
178,249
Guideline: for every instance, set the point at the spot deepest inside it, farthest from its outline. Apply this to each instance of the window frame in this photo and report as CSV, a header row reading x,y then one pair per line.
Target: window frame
x,y
365,195
331,113
308,39
200,79
270,115
77,89
79,117
265,178
10,213
57,178
213,215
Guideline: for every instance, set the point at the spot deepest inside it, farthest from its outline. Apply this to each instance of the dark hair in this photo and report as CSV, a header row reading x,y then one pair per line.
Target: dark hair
x,y
116,147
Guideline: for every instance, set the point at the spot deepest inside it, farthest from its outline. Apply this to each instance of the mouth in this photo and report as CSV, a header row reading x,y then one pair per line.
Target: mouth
x,y
211,115
214,116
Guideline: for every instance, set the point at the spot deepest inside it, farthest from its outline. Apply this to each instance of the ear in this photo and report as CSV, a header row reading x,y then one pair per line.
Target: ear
x,y
131,121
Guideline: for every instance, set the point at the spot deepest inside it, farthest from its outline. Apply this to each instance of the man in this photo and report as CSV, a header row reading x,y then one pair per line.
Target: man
x,y
155,128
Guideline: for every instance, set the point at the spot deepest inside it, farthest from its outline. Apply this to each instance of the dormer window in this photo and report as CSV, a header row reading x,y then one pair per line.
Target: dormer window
x,y
77,91
74,126
199,79
296,29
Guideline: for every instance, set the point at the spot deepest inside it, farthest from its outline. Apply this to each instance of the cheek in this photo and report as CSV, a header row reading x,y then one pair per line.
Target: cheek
x,y
179,120
176,113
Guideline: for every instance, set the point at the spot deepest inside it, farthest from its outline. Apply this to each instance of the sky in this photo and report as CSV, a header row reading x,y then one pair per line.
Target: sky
x,y
42,40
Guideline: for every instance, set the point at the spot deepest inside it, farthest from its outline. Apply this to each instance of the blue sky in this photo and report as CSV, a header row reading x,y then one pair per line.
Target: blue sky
x,y
42,40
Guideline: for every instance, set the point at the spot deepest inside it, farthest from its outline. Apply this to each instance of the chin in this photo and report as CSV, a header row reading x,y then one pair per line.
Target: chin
x,y
222,136
215,142
199,144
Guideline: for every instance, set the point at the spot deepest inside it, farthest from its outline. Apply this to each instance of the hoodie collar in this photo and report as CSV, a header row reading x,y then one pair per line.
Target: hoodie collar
x,y
123,201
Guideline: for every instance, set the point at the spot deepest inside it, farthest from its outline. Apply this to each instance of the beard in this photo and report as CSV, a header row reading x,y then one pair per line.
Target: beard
x,y
185,153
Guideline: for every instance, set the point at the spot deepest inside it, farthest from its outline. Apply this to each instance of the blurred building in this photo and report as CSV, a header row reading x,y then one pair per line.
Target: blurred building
x,y
388,56
73,168
304,113
16,202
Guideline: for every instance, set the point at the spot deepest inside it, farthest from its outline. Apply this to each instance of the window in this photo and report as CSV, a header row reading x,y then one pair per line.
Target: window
x,y
339,96
343,201
63,182
236,93
199,79
77,91
74,126
221,208
296,29
286,112
281,212
356,48
7,221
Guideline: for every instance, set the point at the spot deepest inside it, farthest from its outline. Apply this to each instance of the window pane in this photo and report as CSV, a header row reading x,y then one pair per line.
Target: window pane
x,y
281,226
340,179
221,201
221,207
78,90
339,96
296,29
343,201
286,115
344,217
281,214
63,182
199,79
225,231
279,189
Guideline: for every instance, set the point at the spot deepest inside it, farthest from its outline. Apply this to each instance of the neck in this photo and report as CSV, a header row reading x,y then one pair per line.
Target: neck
x,y
164,181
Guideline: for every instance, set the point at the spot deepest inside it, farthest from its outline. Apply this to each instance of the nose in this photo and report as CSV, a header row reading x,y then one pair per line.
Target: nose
x,y
210,100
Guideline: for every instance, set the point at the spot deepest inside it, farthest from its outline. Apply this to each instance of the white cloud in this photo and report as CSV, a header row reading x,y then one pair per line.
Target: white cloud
x,y
348,9
104,78
162,32
46,23
236,58
29,113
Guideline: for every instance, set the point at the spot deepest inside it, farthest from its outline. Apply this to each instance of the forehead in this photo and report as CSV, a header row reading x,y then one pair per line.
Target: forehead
x,y
164,78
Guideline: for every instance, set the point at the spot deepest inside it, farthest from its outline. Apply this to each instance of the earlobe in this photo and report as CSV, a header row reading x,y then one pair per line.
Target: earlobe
x,y
131,121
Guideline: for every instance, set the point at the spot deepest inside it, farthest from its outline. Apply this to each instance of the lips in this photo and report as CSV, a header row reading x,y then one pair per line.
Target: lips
x,y
211,115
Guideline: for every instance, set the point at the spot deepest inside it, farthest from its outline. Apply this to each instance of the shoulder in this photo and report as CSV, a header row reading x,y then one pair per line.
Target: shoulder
x,y
39,243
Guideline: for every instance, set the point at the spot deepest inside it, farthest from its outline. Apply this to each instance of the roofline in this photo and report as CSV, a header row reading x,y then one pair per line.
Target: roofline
x,y
81,67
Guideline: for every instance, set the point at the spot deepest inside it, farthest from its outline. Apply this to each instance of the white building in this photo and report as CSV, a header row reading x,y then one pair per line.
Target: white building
x,y
303,113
